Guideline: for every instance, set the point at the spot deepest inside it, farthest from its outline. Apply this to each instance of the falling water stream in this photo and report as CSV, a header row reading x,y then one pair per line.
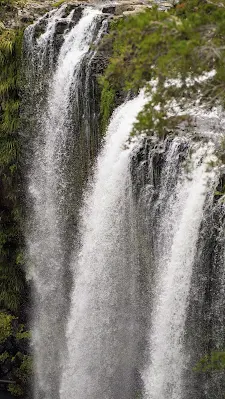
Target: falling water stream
x,y
105,341
125,260
48,188
176,247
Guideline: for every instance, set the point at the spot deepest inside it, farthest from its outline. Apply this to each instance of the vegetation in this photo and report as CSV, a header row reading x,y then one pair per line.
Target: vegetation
x,y
177,55
213,362
17,360
58,3
13,289
12,282
5,327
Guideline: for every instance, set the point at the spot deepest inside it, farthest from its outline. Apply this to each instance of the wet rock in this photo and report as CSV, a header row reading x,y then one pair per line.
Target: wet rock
x,y
165,6
58,41
40,29
109,9
70,7
136,9
121,8
77,14
61,26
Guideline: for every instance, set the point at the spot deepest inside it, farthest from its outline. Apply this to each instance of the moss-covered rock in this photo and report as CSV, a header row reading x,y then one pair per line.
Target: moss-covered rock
x,y
181,52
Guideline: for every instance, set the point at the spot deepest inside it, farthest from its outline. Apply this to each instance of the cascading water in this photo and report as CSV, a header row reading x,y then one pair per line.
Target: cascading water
x,y
175,249
174,188
102,331
105,332
49,185
125,281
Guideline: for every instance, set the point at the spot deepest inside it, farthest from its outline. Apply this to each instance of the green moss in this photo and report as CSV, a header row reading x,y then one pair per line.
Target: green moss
x,y
107,103
185,42
213,362
58,3
5,326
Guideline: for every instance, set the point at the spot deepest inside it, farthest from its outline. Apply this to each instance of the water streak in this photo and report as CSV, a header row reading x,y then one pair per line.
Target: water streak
x,y
48,183
175,251
102,329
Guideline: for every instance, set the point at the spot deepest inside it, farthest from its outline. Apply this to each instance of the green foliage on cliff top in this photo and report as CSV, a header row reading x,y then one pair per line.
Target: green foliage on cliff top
x,y
183,43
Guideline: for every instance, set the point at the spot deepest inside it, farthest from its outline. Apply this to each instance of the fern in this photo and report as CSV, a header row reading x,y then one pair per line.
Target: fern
x,y
12,278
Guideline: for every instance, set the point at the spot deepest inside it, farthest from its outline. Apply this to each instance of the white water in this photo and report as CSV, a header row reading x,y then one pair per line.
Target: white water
x,y
101,335
99,355
176,248
76,45
47,183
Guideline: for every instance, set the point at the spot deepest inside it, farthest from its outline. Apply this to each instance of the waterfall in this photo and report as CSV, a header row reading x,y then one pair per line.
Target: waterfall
x,y
175,252
180,236
102,329
125,244
53,203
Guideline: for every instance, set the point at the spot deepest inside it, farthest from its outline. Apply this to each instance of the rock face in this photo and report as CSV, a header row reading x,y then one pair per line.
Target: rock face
x,y
125,7
131,7
22,14
17,15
